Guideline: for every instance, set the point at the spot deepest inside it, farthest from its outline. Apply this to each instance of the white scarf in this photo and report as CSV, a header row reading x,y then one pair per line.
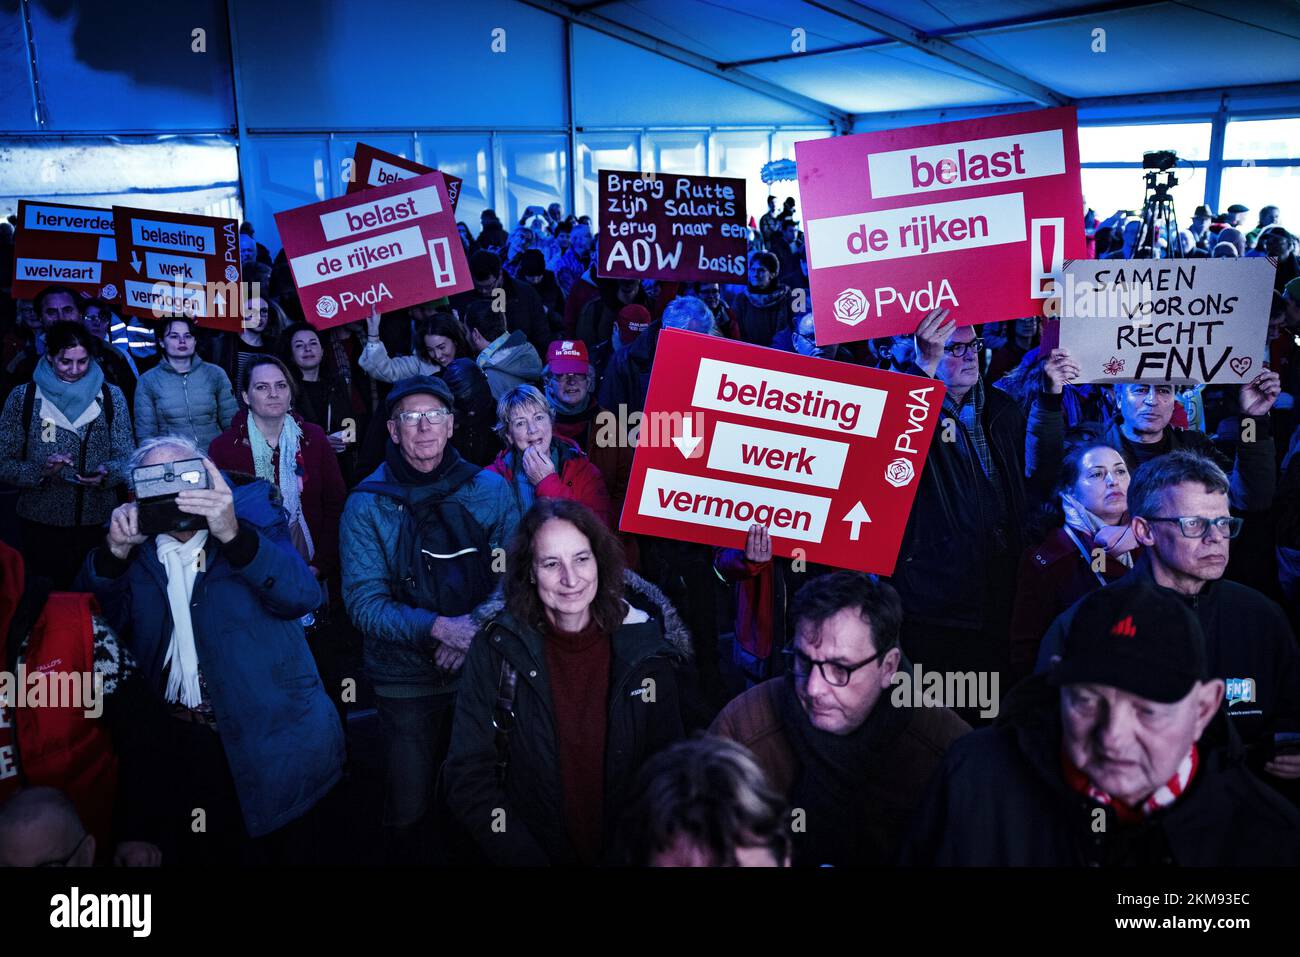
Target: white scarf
x,y
181,562
287,481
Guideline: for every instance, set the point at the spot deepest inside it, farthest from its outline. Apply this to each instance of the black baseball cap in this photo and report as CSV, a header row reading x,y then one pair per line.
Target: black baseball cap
x,y
419,385
1238,208
1136,637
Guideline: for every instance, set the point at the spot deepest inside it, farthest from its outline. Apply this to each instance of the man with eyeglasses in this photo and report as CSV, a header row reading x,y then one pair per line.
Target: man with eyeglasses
x,y
419,542
1120,757
956,570
829,735
183,395
1179,505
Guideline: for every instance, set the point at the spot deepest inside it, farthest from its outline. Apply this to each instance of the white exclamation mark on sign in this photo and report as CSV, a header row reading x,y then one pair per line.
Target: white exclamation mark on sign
x,y
444,272
1044,270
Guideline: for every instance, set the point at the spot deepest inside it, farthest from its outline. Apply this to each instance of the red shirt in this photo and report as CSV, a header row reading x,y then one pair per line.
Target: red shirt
x,y
577,665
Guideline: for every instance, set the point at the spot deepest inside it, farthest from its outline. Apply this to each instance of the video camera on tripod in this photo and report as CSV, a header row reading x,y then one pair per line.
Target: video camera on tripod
x,y
1158,206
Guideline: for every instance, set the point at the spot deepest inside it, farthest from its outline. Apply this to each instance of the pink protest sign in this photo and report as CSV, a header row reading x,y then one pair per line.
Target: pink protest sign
x,y
976,216
386,247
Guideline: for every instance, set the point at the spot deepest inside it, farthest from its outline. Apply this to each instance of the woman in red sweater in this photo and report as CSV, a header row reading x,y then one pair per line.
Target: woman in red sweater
x,y
539,464
269,440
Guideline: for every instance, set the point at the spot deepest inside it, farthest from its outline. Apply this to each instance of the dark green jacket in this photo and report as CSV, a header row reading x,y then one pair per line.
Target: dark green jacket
x,y
522,823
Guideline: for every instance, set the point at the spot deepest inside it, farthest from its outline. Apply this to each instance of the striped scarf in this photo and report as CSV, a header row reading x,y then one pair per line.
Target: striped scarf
x,y
1162,797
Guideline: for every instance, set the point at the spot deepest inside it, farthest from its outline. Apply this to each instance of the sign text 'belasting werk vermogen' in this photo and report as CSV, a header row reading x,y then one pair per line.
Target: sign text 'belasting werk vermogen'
x,y
373,167
1166,320
666,226
826,454
974,216
178,264
70,246
386,247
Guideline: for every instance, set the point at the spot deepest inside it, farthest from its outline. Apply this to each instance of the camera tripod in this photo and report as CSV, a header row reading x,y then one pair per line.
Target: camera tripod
x,y
1157,214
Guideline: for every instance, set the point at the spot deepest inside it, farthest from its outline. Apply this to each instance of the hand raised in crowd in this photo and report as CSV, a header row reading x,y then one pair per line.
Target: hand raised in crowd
x,y
137,854
216,504
454,632
124,531
758,544
55,462
1059,369
372,323
537,464
1258,396
931,336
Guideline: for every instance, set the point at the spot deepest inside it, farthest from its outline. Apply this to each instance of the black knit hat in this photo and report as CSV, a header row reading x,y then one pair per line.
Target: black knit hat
x,y
1136,637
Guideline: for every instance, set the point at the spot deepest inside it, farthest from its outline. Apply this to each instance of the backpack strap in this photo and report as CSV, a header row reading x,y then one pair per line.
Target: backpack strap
x,y
106,406
503,716
29,409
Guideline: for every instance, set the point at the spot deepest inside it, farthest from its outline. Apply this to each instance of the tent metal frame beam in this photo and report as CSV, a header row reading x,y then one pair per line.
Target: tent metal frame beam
x,y
580,16
962,30
941,49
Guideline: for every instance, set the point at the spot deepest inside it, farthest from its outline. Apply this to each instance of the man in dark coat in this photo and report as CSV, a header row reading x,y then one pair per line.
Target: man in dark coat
x,y
956,569
1120,757
523,307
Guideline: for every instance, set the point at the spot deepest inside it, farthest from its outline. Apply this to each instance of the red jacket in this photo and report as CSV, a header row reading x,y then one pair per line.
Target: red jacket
x,y
577,479
60,747
1052,577
323,491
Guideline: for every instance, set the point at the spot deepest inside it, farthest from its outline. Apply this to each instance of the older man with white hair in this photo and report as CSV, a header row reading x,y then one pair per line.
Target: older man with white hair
x,y
213,618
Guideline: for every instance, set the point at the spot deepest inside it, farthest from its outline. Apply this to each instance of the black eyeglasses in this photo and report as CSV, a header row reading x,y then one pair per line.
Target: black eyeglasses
x,y
836,674
960,350
1196,526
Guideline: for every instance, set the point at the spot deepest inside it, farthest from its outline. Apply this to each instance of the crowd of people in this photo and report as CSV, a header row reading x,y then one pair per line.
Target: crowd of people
x,y
416,517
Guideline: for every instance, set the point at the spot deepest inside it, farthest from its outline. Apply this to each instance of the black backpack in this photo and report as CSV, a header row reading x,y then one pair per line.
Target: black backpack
x,y
444,556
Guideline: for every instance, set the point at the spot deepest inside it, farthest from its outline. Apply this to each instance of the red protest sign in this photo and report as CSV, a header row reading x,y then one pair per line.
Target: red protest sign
x,y
387,247
69,246
177,264
826,454
665,226
975,216
374,167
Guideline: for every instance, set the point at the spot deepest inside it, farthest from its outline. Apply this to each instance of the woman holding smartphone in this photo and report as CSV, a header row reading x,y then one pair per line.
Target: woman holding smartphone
x,y
65,438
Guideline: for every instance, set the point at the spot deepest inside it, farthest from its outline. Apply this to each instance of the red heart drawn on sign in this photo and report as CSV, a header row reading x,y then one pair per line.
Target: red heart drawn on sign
x,y
1242,365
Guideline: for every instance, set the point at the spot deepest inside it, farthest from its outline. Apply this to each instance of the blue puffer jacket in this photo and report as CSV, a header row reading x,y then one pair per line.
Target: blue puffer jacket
x,y
280,731
399,646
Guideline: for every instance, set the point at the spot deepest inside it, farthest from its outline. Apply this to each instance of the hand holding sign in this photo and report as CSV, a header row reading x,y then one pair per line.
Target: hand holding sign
x,y
1059,369
758,544
931,336
1258,396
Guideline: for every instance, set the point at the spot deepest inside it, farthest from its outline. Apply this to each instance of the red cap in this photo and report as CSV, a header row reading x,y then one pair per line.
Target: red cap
x,y
633,320
567,355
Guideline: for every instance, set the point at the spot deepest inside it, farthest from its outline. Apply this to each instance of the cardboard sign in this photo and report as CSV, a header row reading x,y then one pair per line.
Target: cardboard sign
x,y
373,167
62,245
176,264
386,247
826,454
665,226
974,216
1166,320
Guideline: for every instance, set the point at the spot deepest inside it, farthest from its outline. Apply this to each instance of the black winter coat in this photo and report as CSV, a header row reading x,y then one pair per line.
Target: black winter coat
x,y
1000,799
532,832
949,545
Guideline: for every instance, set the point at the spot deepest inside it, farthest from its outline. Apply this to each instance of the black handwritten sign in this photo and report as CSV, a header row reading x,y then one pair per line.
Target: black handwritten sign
x,y
1168,320
666,226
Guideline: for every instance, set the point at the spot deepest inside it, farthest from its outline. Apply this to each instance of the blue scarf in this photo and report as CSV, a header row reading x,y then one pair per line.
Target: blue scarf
x,y
70,398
